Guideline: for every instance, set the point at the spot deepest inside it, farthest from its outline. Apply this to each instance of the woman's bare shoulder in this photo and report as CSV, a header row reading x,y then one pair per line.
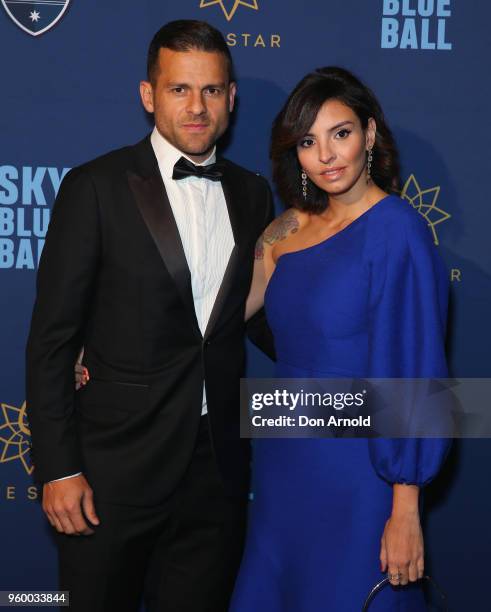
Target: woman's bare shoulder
x,y
286,224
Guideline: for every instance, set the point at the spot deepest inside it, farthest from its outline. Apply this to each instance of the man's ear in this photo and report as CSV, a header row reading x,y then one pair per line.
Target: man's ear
x,y
146,94
231,95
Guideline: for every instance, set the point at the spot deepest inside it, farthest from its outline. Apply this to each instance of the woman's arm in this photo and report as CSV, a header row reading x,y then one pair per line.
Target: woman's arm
x,y
409,294
255,299
265,255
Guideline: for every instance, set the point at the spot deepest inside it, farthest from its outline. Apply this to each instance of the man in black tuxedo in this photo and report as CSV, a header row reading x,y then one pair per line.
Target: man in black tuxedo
x,y
147,264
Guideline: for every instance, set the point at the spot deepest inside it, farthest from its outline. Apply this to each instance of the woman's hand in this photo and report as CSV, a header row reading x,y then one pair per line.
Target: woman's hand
x,y
402,547
81,376
81,373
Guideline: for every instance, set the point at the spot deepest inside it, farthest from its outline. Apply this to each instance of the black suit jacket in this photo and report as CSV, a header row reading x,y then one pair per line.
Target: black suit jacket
x,y
113,277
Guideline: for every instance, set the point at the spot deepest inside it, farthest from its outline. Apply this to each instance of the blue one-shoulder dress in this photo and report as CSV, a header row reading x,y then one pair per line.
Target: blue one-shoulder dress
x,y
369,301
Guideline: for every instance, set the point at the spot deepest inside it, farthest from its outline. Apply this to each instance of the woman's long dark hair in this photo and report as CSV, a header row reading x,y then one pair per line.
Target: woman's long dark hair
x,y
296,118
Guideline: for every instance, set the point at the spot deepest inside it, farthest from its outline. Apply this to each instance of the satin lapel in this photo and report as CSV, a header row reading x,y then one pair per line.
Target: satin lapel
x,y
235,198
151,198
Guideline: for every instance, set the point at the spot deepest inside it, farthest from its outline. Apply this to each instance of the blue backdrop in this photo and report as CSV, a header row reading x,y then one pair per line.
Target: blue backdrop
x,y
71,93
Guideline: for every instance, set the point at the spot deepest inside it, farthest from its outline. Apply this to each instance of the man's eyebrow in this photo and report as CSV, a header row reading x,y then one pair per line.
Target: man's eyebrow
x,y
216,85
208,86
335,127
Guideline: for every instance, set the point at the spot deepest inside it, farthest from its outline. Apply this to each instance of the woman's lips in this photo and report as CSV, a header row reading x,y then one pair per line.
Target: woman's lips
x,y
332,173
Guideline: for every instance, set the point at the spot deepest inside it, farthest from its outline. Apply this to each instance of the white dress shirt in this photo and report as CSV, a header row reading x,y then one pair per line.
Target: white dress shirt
x,y
201,215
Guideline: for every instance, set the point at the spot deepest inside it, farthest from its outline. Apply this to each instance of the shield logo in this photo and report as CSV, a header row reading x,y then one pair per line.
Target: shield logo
x,y
35,18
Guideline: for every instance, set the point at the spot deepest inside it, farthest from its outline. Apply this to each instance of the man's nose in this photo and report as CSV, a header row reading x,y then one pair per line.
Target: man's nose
x,y
196,103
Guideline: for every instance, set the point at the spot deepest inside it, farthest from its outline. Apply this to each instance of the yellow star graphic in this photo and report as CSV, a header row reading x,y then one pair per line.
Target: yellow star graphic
x,y
15,436
229,14
424,201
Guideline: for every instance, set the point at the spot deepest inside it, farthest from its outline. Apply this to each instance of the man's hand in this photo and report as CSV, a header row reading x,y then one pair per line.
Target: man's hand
x,y
63,502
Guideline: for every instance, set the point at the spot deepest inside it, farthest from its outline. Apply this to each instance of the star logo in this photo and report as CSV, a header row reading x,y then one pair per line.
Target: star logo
x,y
15,436
424,201
37,16
234,4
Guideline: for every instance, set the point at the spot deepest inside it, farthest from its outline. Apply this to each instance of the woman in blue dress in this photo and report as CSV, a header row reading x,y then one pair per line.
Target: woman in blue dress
x,y
353,287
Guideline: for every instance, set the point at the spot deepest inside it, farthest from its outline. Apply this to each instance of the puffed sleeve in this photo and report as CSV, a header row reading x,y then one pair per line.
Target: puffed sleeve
x,y
407,321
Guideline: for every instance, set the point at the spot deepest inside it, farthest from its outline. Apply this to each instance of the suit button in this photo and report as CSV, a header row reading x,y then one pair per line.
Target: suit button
x,y
207,342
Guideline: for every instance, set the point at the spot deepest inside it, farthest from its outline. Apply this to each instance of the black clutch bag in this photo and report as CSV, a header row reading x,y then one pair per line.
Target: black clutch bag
x,y
442,598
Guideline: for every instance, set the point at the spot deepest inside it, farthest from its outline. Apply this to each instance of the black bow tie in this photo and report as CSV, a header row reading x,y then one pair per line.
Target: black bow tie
x,y
184,168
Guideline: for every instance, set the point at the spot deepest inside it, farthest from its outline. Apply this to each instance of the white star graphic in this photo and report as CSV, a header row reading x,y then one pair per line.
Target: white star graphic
x,y
34,16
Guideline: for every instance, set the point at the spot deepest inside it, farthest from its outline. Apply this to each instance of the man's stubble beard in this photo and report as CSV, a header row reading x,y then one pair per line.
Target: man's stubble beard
x,y
199,150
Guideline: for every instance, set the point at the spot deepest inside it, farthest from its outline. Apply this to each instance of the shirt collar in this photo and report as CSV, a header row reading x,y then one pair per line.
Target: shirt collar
x,y
167,154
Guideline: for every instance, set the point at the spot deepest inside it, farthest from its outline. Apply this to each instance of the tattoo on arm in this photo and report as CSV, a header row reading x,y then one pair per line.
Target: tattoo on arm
x,y
286,223
281,227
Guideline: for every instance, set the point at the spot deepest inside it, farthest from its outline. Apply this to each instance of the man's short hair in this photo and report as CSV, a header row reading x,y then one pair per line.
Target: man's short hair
x,y
186,35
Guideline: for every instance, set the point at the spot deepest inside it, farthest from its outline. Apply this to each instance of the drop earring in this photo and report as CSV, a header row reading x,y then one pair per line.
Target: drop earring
x,y
304,184
369,164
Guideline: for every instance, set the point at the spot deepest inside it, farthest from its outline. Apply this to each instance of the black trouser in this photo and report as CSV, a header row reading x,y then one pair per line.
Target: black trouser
x,y
183,555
